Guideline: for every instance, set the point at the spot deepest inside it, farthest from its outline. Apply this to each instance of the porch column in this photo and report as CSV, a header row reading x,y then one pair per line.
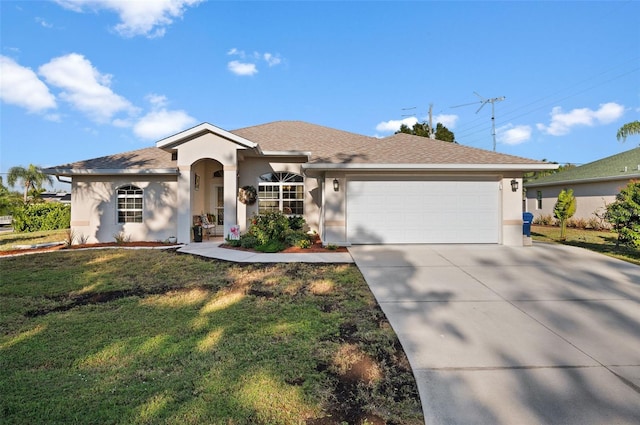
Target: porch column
x,y
184,221
230,197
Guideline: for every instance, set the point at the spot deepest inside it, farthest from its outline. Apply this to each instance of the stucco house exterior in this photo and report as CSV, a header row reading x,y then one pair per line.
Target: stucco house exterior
x,y
594,185
350,188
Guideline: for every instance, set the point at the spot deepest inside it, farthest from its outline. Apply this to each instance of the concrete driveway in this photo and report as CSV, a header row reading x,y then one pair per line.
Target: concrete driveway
x,y
547,334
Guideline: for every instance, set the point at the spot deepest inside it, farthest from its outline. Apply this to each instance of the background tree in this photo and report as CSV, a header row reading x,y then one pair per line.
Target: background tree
x,y
31,177
564,209
624,215
629,129
441,132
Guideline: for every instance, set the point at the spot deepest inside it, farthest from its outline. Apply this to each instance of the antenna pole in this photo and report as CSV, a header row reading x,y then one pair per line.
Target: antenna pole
x,y
431,133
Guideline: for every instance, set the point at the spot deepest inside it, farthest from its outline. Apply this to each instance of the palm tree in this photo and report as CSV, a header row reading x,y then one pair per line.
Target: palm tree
x,y
629,129
31,177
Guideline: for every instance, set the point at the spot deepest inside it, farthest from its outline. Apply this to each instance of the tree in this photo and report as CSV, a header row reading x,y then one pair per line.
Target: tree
x,y
564,209
32,177
624,215
423,130
629,129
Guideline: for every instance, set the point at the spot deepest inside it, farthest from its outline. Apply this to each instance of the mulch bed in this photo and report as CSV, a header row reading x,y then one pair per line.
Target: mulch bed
x,y
316,247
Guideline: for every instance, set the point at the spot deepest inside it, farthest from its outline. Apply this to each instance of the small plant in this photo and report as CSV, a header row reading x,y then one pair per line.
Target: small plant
x,y
332,247
122,238
564,209
304,244
271,246
71,236
543,220
233,242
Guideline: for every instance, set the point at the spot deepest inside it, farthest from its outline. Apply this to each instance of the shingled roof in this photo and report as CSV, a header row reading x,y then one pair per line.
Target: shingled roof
x,y
622,166
326,146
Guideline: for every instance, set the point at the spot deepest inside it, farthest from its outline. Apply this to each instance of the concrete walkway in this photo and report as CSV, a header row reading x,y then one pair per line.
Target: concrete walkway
x,y
211,249
548,334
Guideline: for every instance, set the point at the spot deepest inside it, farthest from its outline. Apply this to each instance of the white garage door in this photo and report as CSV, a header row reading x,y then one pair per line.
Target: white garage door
x,y
423,211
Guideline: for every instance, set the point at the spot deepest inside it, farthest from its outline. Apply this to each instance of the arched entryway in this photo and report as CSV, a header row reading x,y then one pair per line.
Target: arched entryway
x,y
208,193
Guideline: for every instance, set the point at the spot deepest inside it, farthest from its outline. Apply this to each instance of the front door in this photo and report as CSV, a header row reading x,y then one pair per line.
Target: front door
x,y
217,207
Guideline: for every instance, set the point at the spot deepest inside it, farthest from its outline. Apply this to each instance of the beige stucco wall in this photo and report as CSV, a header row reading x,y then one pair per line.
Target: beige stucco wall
x,y
94,215
591,198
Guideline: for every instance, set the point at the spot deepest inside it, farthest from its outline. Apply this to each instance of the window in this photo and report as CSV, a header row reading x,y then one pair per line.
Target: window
x,y
539,200
281,192
129,204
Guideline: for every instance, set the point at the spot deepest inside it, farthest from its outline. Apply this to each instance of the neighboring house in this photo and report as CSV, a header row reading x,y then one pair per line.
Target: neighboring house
x,y
350,188
62,197
594,185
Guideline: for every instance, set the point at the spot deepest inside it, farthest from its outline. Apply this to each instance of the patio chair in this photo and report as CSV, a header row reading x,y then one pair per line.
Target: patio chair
x,y
207,225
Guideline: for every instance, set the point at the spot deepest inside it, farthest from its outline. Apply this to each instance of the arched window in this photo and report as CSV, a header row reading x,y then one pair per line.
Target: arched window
x,y
129,204
281,192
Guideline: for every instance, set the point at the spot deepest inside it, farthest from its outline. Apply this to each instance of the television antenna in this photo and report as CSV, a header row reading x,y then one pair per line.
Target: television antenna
x,y
483,101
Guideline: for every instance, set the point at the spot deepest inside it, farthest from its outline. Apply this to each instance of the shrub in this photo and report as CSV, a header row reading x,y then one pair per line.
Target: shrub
x,y
248,241
578,223
304,244
269,226
297,222
293,237
624,215
544,220
41,216
271,246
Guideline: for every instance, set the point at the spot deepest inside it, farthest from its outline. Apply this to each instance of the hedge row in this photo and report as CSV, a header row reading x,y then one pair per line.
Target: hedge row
x,y
41,216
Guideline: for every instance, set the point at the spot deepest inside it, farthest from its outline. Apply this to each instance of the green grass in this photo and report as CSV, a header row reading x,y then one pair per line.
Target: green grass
x,y
8,240
602,241
155,337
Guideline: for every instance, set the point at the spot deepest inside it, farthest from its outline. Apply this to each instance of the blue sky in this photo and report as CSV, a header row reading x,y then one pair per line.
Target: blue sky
x,y
87,78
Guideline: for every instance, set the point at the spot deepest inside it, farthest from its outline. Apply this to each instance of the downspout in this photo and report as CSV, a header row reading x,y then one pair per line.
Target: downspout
x,y
322,210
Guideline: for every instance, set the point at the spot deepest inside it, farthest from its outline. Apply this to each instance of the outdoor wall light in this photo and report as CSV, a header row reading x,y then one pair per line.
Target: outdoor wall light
x,y
336,185
514,185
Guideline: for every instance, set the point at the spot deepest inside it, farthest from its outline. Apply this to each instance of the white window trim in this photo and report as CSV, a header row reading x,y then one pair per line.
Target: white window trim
x,y
128,196
284,179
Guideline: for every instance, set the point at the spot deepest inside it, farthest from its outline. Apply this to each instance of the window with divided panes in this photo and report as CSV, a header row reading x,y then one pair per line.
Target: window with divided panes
x,y
129,204
281,191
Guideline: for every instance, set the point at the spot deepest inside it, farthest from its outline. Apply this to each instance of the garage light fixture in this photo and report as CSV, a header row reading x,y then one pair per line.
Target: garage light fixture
x,y
336,185
514,185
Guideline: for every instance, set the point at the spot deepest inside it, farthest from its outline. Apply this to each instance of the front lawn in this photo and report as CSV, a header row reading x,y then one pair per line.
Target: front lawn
x,y
603,241
147,336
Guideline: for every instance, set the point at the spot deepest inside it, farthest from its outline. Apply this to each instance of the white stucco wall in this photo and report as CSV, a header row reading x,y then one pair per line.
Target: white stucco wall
x,y
94,214
591,198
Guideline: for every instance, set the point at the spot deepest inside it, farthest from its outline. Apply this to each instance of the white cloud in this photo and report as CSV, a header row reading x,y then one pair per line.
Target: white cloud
x,y
85,87
394,125
249,64
562,122
161,122
43,23
149,18
448,120
240,68
513,135
271,59
21,86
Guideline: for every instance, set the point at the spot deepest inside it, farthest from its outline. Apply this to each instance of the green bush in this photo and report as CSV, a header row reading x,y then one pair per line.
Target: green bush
x,y
42,216
624,215
248,241
271,246
269,226
297,222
